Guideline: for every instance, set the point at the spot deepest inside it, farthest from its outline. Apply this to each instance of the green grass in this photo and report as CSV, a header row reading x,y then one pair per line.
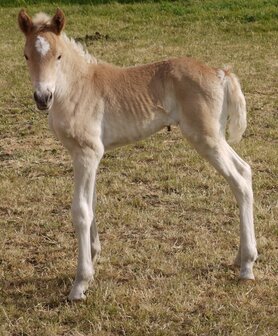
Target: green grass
x,y
168,222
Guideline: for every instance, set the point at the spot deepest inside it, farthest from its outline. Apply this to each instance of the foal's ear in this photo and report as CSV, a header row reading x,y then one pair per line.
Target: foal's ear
x,y
25,22
58,21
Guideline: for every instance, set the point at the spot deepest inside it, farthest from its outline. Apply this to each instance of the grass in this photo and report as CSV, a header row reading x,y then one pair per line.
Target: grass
x,y
168,223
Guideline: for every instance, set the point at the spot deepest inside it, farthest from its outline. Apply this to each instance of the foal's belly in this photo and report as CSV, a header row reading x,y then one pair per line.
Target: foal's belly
x,y
119,130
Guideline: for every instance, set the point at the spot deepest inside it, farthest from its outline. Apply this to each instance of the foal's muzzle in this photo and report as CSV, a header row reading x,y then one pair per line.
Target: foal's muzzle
x,y
43,100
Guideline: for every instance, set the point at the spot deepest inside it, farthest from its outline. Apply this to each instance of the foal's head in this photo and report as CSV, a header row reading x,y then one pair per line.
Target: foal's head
x,y
43,53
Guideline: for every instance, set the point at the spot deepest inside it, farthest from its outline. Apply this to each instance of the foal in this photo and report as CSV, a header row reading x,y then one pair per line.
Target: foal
x,y
94,107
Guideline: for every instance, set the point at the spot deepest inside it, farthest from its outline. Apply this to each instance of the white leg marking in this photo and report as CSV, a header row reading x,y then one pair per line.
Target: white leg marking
x,y
238,174
95,242
242,184
85,166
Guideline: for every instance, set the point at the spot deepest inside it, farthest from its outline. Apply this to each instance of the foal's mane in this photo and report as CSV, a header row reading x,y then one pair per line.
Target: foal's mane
x,y
42,23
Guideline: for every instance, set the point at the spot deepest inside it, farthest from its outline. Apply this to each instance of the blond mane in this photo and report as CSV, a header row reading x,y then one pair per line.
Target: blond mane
x,y
82,51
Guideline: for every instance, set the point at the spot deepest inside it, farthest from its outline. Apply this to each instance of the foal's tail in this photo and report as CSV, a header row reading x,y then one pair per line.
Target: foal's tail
x,y
236,108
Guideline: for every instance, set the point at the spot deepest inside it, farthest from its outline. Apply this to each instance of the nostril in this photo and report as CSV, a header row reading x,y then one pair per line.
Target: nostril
x,y
43,99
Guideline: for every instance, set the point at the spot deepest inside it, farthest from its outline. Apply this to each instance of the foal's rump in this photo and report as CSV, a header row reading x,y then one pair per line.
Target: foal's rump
x,y
208,98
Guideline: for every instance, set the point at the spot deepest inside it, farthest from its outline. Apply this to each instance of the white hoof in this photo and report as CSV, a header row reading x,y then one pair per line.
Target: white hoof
x,y
76,295
78,290
246,275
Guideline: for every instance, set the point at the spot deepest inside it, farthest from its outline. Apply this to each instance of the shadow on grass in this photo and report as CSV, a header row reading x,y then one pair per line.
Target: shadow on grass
x,y
27,293
224,272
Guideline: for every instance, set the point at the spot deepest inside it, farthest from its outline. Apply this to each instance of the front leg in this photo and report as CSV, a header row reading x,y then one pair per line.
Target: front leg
x,y
85,163
95,242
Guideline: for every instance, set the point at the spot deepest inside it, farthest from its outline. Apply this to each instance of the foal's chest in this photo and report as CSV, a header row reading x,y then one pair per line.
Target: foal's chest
x,y
61,127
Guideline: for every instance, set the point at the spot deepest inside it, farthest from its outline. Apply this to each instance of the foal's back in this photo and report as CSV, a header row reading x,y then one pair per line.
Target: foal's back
x,y
140,100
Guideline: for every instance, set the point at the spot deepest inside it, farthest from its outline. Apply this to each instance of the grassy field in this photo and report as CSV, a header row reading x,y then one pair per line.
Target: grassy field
x,y
168,223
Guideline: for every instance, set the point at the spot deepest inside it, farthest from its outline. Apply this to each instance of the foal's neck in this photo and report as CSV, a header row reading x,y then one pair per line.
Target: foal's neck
x,y
74,69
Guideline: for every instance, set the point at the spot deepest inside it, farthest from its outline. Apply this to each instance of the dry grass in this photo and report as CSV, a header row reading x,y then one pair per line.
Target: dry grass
x,y
168,223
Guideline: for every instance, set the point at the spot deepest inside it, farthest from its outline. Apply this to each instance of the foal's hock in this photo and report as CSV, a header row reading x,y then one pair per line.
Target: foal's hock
x,y
95,106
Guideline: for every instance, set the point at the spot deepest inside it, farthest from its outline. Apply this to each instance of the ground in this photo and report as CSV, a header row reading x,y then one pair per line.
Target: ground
x,y
168,223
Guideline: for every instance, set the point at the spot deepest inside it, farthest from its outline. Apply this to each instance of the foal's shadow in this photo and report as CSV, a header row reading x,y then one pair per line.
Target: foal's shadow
x,y
29,292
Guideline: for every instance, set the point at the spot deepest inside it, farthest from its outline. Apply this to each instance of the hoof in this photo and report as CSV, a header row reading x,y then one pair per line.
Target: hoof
x,y
78,290
76,296
246,275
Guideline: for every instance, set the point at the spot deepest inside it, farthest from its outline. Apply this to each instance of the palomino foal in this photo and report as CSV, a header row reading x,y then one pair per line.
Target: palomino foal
x,y
97,106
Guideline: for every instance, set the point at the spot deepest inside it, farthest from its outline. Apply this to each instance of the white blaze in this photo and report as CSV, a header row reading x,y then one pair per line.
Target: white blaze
x,y
42,45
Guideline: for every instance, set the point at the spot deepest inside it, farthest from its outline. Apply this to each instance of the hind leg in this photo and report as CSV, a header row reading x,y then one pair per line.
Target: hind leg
x,y
238,174
247,225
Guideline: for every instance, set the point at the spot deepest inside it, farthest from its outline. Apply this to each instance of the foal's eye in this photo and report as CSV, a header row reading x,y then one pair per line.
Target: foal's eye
x,y
26,57
59,57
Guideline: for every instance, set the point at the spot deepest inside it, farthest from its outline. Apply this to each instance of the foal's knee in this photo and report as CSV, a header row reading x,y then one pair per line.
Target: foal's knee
x,y
82,215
